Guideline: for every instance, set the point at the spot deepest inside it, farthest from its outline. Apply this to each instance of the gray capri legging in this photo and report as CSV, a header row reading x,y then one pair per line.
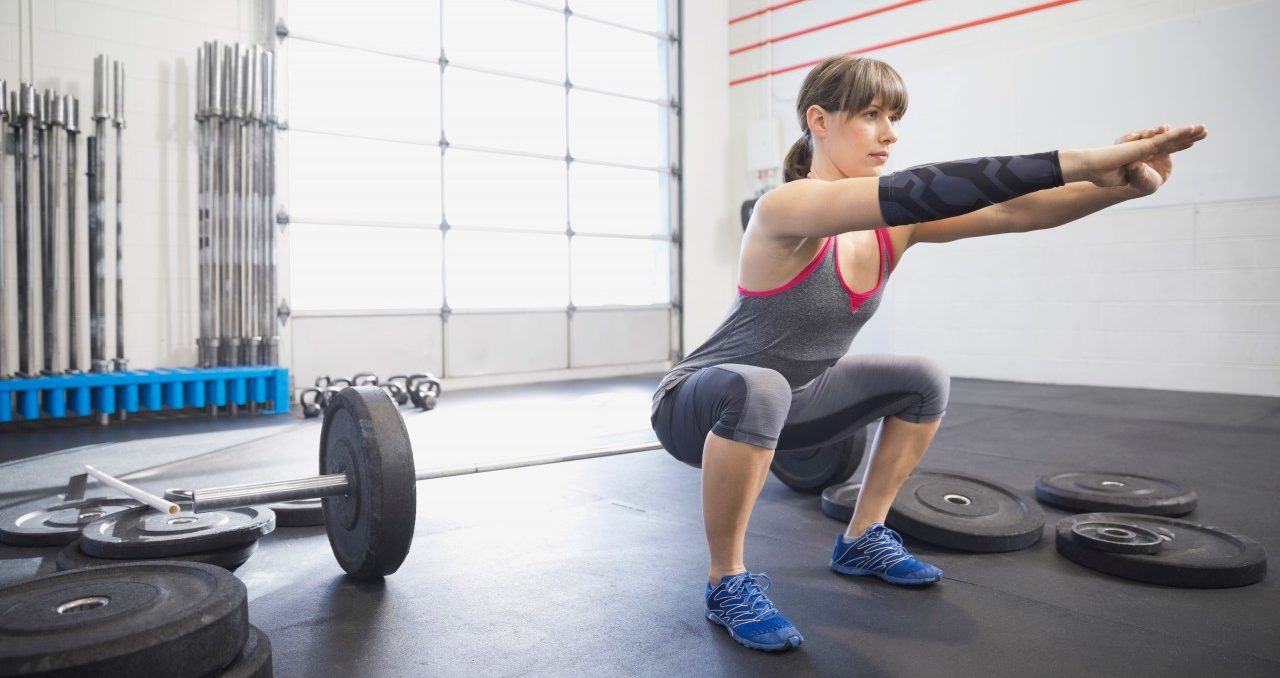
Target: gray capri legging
x,y
756,405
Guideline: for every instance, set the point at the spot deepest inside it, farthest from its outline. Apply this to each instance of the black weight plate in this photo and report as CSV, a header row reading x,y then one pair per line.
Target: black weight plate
x,y
838,501
1122,492
371,527
299,513
254,660
72,558
1193,555
965,512
53,521
132,619
147,533
1117,537
812,471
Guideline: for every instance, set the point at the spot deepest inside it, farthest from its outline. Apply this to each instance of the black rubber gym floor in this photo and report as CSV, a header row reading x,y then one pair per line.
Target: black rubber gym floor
x,y
596,567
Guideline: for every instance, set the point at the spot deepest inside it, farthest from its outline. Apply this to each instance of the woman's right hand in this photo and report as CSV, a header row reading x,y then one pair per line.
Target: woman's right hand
x,y
1107,166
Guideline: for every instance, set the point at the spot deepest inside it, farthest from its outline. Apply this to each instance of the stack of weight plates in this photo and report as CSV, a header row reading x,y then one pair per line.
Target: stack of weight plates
x,y
223,538
133,619
54,521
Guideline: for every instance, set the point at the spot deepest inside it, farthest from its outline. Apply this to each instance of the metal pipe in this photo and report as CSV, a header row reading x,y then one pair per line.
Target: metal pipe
x,y
28,227
96,148
121,363
72,107
271,334
158,503
53,146
4,306
214,61
334,484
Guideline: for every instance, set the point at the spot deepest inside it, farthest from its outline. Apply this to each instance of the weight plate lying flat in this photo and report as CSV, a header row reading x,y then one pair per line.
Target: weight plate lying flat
x,y
1123,492
299,513
144,532
1193,555
254,660
72,558
814,470
53,521
838,501
371,527
1116,537
965,512
133,619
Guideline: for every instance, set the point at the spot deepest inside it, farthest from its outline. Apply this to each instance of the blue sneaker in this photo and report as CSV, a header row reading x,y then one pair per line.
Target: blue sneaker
x,y
879,552
740,605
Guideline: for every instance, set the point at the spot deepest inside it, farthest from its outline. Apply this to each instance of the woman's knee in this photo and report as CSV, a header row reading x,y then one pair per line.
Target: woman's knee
x,y
755,405
933,381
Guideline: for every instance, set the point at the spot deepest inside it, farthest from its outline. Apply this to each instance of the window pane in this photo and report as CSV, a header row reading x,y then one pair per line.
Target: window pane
x,y
506,191
507,270
333,177
404,26
493,111
321,258
609,271
595,121
505,36
334,89
616,200
647,15
616,60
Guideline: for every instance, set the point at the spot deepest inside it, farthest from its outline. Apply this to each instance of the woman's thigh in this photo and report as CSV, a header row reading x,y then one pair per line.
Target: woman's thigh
x,y
739,402
858,390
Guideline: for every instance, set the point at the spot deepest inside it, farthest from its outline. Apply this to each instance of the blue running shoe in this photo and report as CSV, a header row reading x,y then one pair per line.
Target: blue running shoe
x,y
879,552
740,605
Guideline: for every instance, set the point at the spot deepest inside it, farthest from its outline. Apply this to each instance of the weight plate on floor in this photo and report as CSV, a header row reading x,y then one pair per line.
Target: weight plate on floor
x,y
72,558
371,527
53,521
1122,492
838,501
965,512
147,533
132,619
299,513
254,660
1117,537
1193,555
814,470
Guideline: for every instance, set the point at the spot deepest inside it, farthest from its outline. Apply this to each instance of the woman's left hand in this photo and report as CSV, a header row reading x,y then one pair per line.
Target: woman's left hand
x,y
1144,178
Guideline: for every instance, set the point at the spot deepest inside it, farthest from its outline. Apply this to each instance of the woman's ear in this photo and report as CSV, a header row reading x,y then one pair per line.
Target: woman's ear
x,y
818,120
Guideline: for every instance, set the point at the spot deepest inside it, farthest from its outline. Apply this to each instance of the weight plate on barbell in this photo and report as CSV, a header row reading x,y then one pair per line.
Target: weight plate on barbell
x,y
814,470
965,512
131,619
53,521
144,532
1123,492
299,513
1193,555
371,527
1116,537
838,501
72,558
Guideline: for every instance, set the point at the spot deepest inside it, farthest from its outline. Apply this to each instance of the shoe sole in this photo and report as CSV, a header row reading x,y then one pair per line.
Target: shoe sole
x,y
793,641
859,572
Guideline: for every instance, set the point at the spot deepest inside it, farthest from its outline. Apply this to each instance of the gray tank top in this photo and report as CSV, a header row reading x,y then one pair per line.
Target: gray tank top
x,y
799,329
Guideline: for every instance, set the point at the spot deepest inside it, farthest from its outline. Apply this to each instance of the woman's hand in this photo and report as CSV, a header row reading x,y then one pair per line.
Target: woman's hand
x,y
1126,163
1146,177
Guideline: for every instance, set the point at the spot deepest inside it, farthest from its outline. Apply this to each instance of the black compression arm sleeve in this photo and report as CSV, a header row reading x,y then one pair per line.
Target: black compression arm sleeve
x,y
949,189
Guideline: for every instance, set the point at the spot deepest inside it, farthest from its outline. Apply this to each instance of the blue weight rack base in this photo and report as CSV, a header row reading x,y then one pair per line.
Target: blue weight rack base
x,y
81,395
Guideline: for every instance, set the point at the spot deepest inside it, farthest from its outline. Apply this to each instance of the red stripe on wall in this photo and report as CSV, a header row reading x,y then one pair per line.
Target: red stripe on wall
x,y
829,24
766,10
921,36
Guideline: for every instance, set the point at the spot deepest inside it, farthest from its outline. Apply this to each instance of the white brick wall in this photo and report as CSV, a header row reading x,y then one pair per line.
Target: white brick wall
x,y
156,40
1178,291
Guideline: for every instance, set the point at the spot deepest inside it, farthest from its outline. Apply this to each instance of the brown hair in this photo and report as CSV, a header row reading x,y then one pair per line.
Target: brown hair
x,y
842,83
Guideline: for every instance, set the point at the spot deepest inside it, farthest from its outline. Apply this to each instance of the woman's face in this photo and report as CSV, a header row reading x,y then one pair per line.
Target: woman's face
x,y
852,144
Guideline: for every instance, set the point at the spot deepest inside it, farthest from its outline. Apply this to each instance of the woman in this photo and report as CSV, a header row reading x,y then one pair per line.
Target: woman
x,y
776,376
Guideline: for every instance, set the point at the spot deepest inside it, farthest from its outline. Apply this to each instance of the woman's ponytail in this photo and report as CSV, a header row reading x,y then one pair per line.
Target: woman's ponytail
x,y
796,166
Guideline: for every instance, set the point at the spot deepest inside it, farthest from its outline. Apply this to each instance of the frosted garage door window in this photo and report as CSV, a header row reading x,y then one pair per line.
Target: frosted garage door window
x,y
605,199
415,30
614,129
497,112
503,191
507,270
342,178
616,60
609,271
646,15
363,267
335,89
505,36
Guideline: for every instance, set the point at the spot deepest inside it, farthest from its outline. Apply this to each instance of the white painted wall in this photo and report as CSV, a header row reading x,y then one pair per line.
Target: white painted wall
x,y
52,43
1180,290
